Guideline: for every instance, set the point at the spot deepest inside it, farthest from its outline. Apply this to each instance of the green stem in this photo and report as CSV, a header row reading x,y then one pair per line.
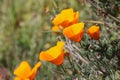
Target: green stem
x,y
72,64
63,69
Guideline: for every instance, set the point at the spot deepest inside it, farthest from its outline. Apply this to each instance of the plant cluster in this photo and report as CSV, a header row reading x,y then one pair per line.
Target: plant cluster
x,y
81,52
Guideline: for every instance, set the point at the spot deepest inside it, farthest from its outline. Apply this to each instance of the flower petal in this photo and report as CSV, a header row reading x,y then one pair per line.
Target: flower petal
x,y
56,29
60,44
17,78
94,32
34,71
66,18
22,70
74,32
54,54
58,60
45,56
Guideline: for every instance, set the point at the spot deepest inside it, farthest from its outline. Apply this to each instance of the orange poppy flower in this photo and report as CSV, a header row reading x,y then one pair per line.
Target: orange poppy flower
x,y
74,32
54,55
94,32
24,71
66,18
56,29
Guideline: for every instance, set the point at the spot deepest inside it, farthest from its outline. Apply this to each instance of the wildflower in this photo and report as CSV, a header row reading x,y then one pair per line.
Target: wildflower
x,y
54,55
56,29
74,32
24,71
94,32
66,18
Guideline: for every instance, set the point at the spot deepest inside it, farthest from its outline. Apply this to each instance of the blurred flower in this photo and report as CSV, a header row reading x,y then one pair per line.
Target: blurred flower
x,y
66,18
74,32
54,55
24,71
94,32
56,29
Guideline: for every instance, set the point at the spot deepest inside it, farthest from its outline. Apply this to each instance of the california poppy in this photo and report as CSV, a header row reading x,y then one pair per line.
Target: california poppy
x,y
66,18
24,71
54,55
94,32
74,32
56,29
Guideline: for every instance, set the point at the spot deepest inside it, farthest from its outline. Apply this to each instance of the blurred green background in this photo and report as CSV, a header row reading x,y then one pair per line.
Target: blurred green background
x,y
25,30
